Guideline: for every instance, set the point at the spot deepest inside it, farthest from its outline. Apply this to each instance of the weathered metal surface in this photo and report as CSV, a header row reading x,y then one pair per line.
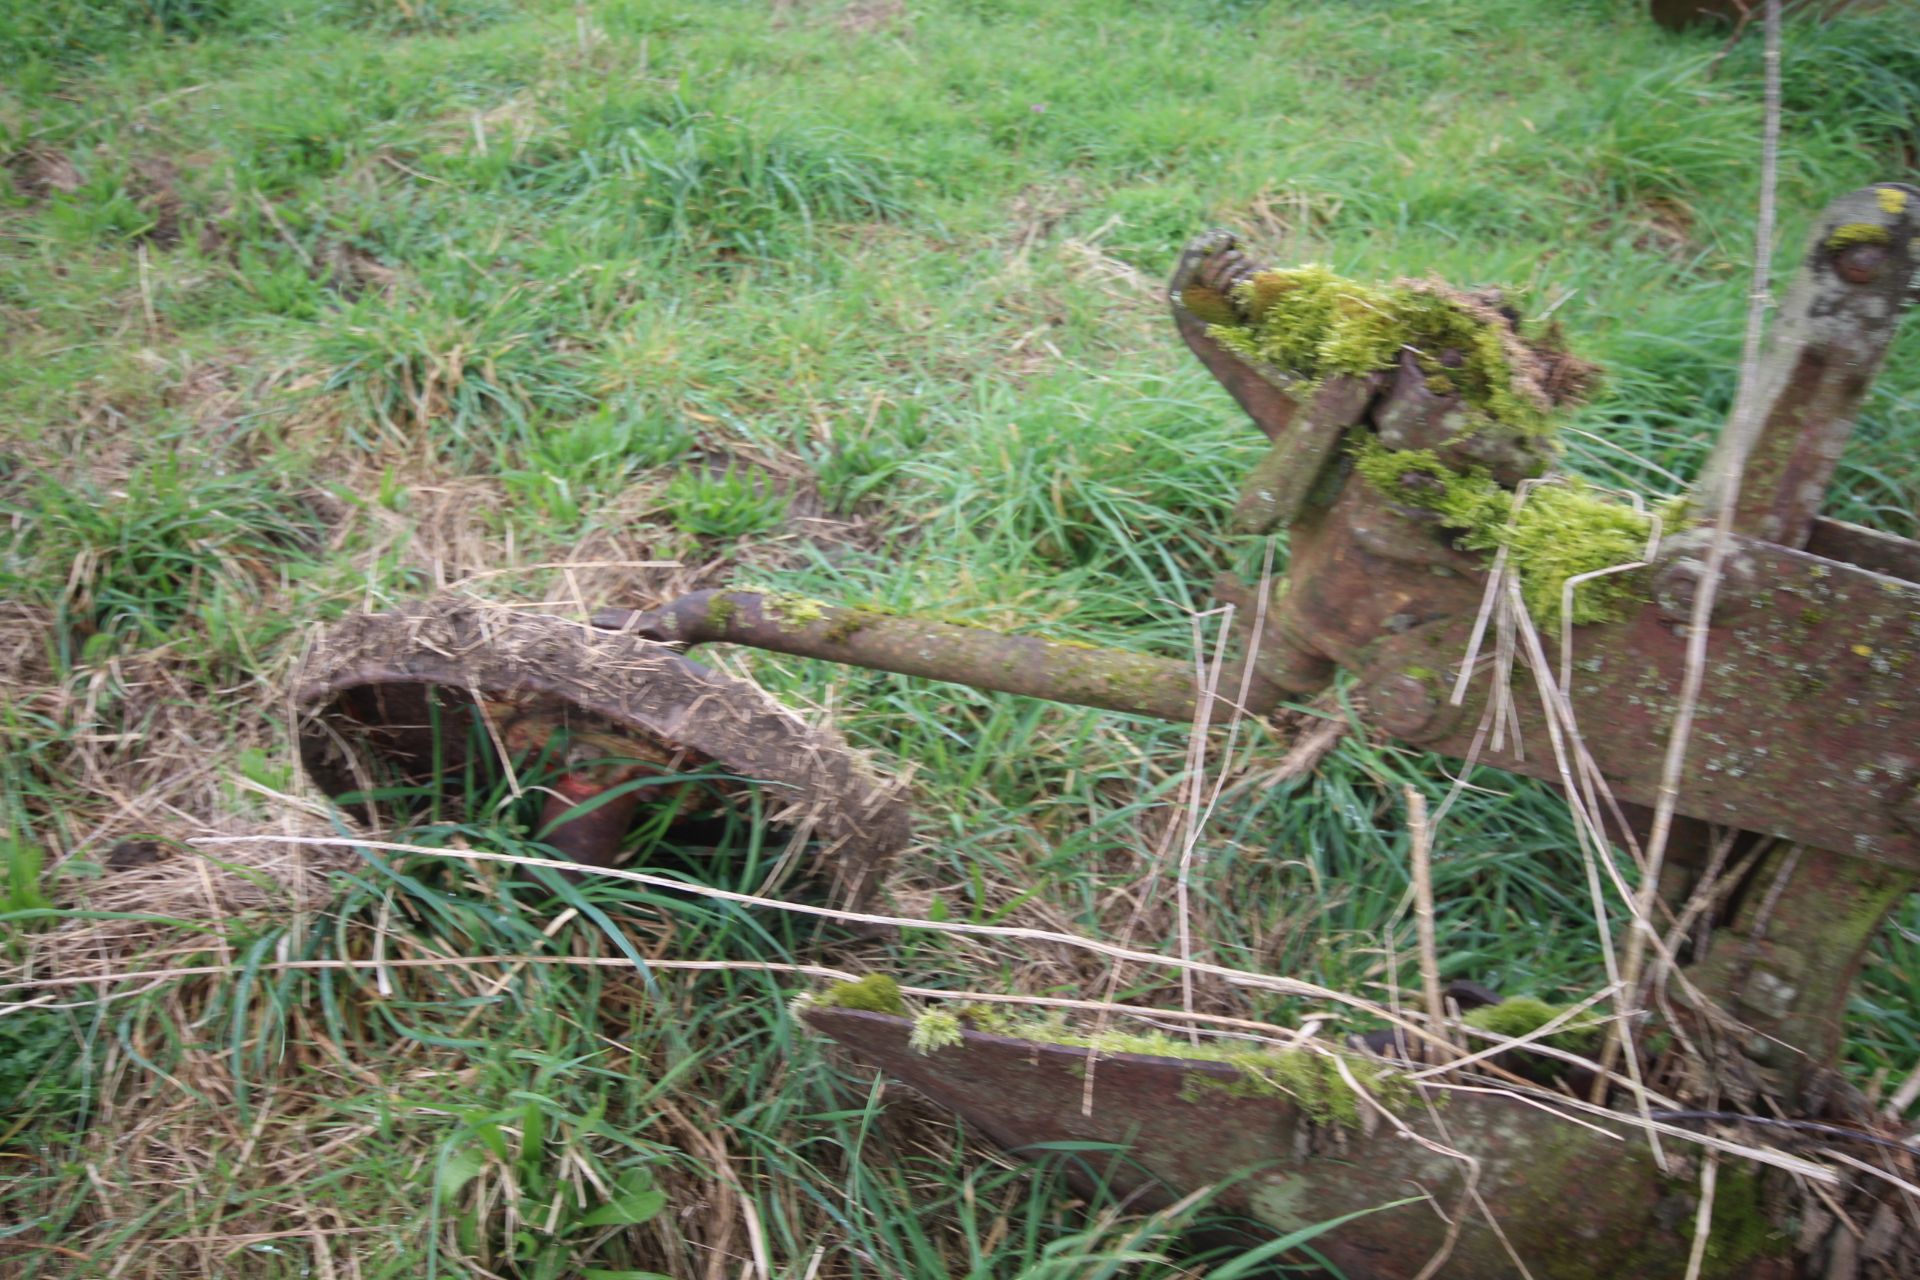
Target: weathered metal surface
x,y
1809,729
1786,960
1359,570
1411,415
1809,723
1061,671
393,700
1277,488
1576,1203
1865,548
1201,292
1835,326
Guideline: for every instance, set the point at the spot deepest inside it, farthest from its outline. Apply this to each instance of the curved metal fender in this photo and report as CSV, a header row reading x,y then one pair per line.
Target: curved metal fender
x,y
1576,1199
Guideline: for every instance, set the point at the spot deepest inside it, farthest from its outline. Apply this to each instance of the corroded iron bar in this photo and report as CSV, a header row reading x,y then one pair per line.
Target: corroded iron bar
x,y
1061,671
1202,293
1835,326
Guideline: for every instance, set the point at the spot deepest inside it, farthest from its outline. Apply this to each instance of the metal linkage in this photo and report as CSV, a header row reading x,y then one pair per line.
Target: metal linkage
x,y
1812,728
1062,671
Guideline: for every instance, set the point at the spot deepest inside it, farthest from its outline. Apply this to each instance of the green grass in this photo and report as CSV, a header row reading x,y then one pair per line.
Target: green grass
x,y
315,304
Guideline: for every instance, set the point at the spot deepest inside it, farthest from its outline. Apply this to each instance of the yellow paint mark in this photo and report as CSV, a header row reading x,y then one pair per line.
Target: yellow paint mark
x,y
1864,650
1892,200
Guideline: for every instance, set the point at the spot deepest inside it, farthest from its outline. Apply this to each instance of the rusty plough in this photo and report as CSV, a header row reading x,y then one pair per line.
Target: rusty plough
x,y
1799,806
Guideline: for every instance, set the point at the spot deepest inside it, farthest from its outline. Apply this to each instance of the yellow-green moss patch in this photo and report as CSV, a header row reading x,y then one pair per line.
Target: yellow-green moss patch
x,y
1561,531
799,610
1310,1079
934,1029
1523,1015
875,993
1313,324
1852,233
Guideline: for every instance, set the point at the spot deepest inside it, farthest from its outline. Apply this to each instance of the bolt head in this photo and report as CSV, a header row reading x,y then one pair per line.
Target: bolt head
x,y
1861,263
1677,587
1404,705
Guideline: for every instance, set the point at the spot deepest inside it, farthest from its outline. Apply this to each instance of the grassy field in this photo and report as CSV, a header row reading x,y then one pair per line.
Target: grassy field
x,y
314,306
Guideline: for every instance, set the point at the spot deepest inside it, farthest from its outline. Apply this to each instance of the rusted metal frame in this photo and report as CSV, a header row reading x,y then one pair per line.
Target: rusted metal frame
x,y
1061,671
1808,648
1816,649
1805,649
1306,436
1788,978
1282,482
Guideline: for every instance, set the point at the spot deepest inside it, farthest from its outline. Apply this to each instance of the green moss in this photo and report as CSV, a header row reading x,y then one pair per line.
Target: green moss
x,y
1852,233
721,611
1741,1229
850,623
1523,1015
875,993
1310,1079
796,609
934,1029
1561,531
1313,324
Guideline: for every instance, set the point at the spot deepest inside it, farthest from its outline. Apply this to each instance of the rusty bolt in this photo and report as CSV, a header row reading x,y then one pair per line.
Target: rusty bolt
x,y
1861,263
1678,586
1404,704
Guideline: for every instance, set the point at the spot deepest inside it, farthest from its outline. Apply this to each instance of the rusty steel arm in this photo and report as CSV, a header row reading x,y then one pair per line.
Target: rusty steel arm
x,y
1060,671
1836,324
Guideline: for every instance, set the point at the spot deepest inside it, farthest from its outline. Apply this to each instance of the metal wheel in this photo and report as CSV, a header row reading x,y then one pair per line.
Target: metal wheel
x,y
397,706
